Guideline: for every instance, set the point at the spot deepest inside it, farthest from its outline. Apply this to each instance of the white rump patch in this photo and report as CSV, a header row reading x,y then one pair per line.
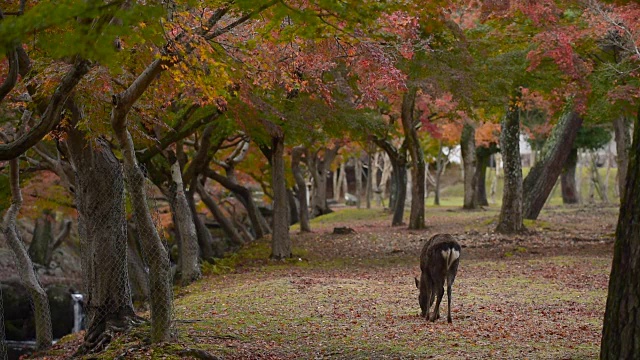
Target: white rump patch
x,y
450,255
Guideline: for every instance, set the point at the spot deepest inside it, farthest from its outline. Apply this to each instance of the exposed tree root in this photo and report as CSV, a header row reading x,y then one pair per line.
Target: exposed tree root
x,y
100,335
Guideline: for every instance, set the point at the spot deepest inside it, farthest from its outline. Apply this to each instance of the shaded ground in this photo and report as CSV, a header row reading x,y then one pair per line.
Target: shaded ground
x,y
537,296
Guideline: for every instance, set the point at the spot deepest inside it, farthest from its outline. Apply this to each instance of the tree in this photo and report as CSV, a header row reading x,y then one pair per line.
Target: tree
x,y
543,175
25,266
416,217
511,213
621,328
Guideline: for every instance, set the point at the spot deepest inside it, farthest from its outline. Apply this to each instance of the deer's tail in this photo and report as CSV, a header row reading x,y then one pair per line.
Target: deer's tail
x,y
450,255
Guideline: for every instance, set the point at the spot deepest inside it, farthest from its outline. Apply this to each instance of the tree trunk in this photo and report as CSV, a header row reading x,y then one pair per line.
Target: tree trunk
x,y
189,266
595,178
258,222
368,188
621,330
226,225
205,241
28,276
358,169
138,275
384,179
40,249
319,168
622,137
543,175
281,242
482,162
343,182
441,163
294,212
296,158
511,214
338,185
398,158
468,148
416,216
161,298
568,179
102,227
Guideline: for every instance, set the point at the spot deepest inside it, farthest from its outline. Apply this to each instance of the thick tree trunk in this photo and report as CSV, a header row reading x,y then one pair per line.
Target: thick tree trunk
x,y
226,225
28,276
482,162
102,227
621,330
468,148
570,193
281,244
511,213
621,129
543,175
189,266
416,216
161,293
296,158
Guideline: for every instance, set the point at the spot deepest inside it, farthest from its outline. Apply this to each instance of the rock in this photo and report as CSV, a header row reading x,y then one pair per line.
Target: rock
x,y
18,312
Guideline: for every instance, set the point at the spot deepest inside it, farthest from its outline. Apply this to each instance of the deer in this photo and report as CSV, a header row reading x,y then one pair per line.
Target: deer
x,y
439,261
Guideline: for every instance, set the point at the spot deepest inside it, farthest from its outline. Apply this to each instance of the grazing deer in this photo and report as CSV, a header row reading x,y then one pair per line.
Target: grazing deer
x,y
439,260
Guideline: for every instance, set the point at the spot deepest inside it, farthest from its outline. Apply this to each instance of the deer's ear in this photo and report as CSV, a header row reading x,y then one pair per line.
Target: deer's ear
x,y
417,282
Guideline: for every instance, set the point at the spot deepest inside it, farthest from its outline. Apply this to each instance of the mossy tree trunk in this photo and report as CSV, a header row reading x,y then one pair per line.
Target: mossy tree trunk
x,y
621,330
511,213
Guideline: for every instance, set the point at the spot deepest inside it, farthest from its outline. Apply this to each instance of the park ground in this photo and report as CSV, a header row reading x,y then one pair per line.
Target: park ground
x,y
539,295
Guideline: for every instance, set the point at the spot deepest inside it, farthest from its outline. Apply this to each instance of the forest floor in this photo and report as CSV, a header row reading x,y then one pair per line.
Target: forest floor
x,y
540,295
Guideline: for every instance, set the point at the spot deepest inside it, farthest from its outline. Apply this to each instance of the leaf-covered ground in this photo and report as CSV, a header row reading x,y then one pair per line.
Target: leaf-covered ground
x,y
536,296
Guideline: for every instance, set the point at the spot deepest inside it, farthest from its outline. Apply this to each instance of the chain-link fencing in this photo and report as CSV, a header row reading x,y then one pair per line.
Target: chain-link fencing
x,y
150,264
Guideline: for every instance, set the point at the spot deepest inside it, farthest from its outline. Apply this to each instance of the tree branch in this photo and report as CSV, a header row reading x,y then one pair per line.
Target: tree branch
x,y
50,117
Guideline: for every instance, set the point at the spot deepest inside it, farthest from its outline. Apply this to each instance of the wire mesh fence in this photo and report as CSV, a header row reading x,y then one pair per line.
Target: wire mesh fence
x,y
120,265
151,254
